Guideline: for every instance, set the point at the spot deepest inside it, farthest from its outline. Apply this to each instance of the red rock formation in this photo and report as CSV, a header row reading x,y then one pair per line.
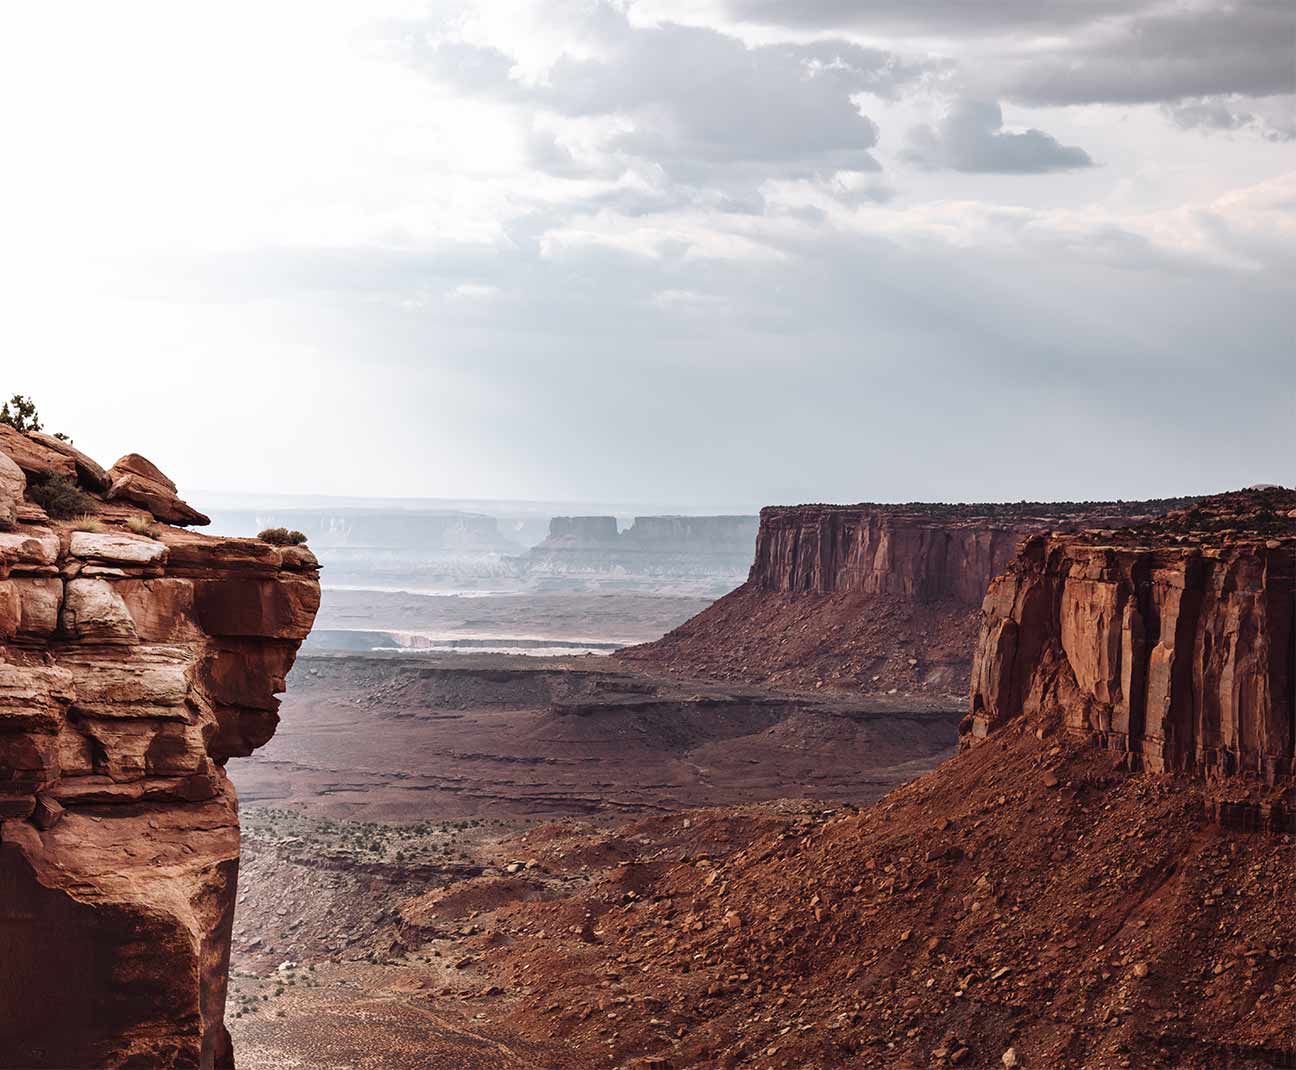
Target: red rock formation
x,y
866,596
135,659
1172,642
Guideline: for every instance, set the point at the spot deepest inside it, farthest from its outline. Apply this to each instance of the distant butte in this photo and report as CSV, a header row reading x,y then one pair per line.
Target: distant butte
x,y
869,597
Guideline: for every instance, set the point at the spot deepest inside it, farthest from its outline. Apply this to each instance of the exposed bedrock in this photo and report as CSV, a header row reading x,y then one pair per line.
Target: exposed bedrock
x,y
135,659
868,596
1172,642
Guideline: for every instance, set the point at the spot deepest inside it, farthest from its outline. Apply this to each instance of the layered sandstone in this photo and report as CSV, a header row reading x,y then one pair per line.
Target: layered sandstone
x,y
867,597
136,658
1172,642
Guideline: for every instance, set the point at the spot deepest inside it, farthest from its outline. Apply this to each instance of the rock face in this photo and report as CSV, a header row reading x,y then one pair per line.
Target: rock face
x,y
135,659
1172,642
867,596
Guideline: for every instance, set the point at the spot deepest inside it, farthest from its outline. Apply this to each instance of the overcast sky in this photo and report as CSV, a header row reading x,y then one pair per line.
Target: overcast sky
x,y
707,251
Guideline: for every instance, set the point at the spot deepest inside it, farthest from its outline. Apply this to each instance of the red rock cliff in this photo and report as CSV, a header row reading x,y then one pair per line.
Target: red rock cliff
x,y
135,659
1172,642
867,597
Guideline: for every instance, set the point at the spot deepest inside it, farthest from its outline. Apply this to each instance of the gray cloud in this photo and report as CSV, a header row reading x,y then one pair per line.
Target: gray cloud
x,y
1106,51
1238,48
930,17
701,105
971,138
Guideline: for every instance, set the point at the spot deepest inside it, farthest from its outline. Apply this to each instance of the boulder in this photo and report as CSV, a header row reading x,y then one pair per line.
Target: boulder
x,y
120,549
89,472
156,497
33,457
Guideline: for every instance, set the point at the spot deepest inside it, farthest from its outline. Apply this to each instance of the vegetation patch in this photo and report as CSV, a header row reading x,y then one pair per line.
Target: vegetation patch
x,y
282,537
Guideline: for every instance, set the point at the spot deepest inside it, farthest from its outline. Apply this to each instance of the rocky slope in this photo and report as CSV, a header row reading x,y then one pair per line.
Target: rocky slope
x,y
1074,890
867,597
136,658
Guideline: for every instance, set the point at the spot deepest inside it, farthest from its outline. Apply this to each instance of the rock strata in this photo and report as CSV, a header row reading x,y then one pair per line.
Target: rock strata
x,y
868,597
1170,642
135,659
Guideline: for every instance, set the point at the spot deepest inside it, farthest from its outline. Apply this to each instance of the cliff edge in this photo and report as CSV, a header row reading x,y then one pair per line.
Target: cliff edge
x,y
868,597
136,658
1172,643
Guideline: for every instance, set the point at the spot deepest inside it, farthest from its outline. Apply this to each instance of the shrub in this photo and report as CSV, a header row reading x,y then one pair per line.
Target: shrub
x,y
143,525
282,537
60,497
89,523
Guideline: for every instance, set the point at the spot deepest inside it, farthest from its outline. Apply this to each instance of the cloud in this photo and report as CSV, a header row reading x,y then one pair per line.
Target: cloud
x,y
1274,119
931,17
1242,47
685,106
971,138
1043,53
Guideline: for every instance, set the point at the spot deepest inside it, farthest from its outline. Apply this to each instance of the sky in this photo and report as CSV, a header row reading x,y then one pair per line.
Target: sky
x,y
697,251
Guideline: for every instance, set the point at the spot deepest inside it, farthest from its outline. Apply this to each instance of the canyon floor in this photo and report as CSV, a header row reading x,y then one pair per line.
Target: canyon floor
x,y
406,798
1031,899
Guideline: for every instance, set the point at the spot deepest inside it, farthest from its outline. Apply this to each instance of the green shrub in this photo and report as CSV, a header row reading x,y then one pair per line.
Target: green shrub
x,y
282,537
19,412
60,497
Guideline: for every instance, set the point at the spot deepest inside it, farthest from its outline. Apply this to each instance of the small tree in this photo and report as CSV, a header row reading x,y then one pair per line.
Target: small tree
x,y
19,412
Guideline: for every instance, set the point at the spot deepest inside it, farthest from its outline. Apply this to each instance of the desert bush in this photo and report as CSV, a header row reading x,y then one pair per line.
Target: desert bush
x,y
282,537
60,497
143,525
89,523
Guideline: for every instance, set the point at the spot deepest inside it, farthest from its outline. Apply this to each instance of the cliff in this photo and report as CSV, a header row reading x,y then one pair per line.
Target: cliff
x,y
867,597
1171,643
136,658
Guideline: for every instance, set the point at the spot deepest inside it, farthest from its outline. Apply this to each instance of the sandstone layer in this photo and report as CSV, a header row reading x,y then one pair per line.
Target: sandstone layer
x,y
1171,643
868,597
136,658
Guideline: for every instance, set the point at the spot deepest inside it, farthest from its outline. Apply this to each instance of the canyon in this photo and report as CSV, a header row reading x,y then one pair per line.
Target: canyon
x,y
136,658
867,598
487,860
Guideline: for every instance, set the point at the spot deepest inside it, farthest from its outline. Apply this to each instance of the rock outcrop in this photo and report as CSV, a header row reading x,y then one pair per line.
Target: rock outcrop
x,y
1172,642
867,597
135,659
706,554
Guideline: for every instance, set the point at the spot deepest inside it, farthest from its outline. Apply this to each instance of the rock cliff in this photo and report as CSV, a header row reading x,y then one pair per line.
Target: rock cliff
x,y
136,658
706,554
1171,642
867,597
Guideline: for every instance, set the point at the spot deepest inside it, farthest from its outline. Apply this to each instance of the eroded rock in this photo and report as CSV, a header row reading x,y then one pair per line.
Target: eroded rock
x,y
131,668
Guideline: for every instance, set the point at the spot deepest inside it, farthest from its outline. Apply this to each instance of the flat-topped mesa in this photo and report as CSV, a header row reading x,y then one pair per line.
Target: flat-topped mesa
x,y
1172,641
869,597
924,551
135,659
